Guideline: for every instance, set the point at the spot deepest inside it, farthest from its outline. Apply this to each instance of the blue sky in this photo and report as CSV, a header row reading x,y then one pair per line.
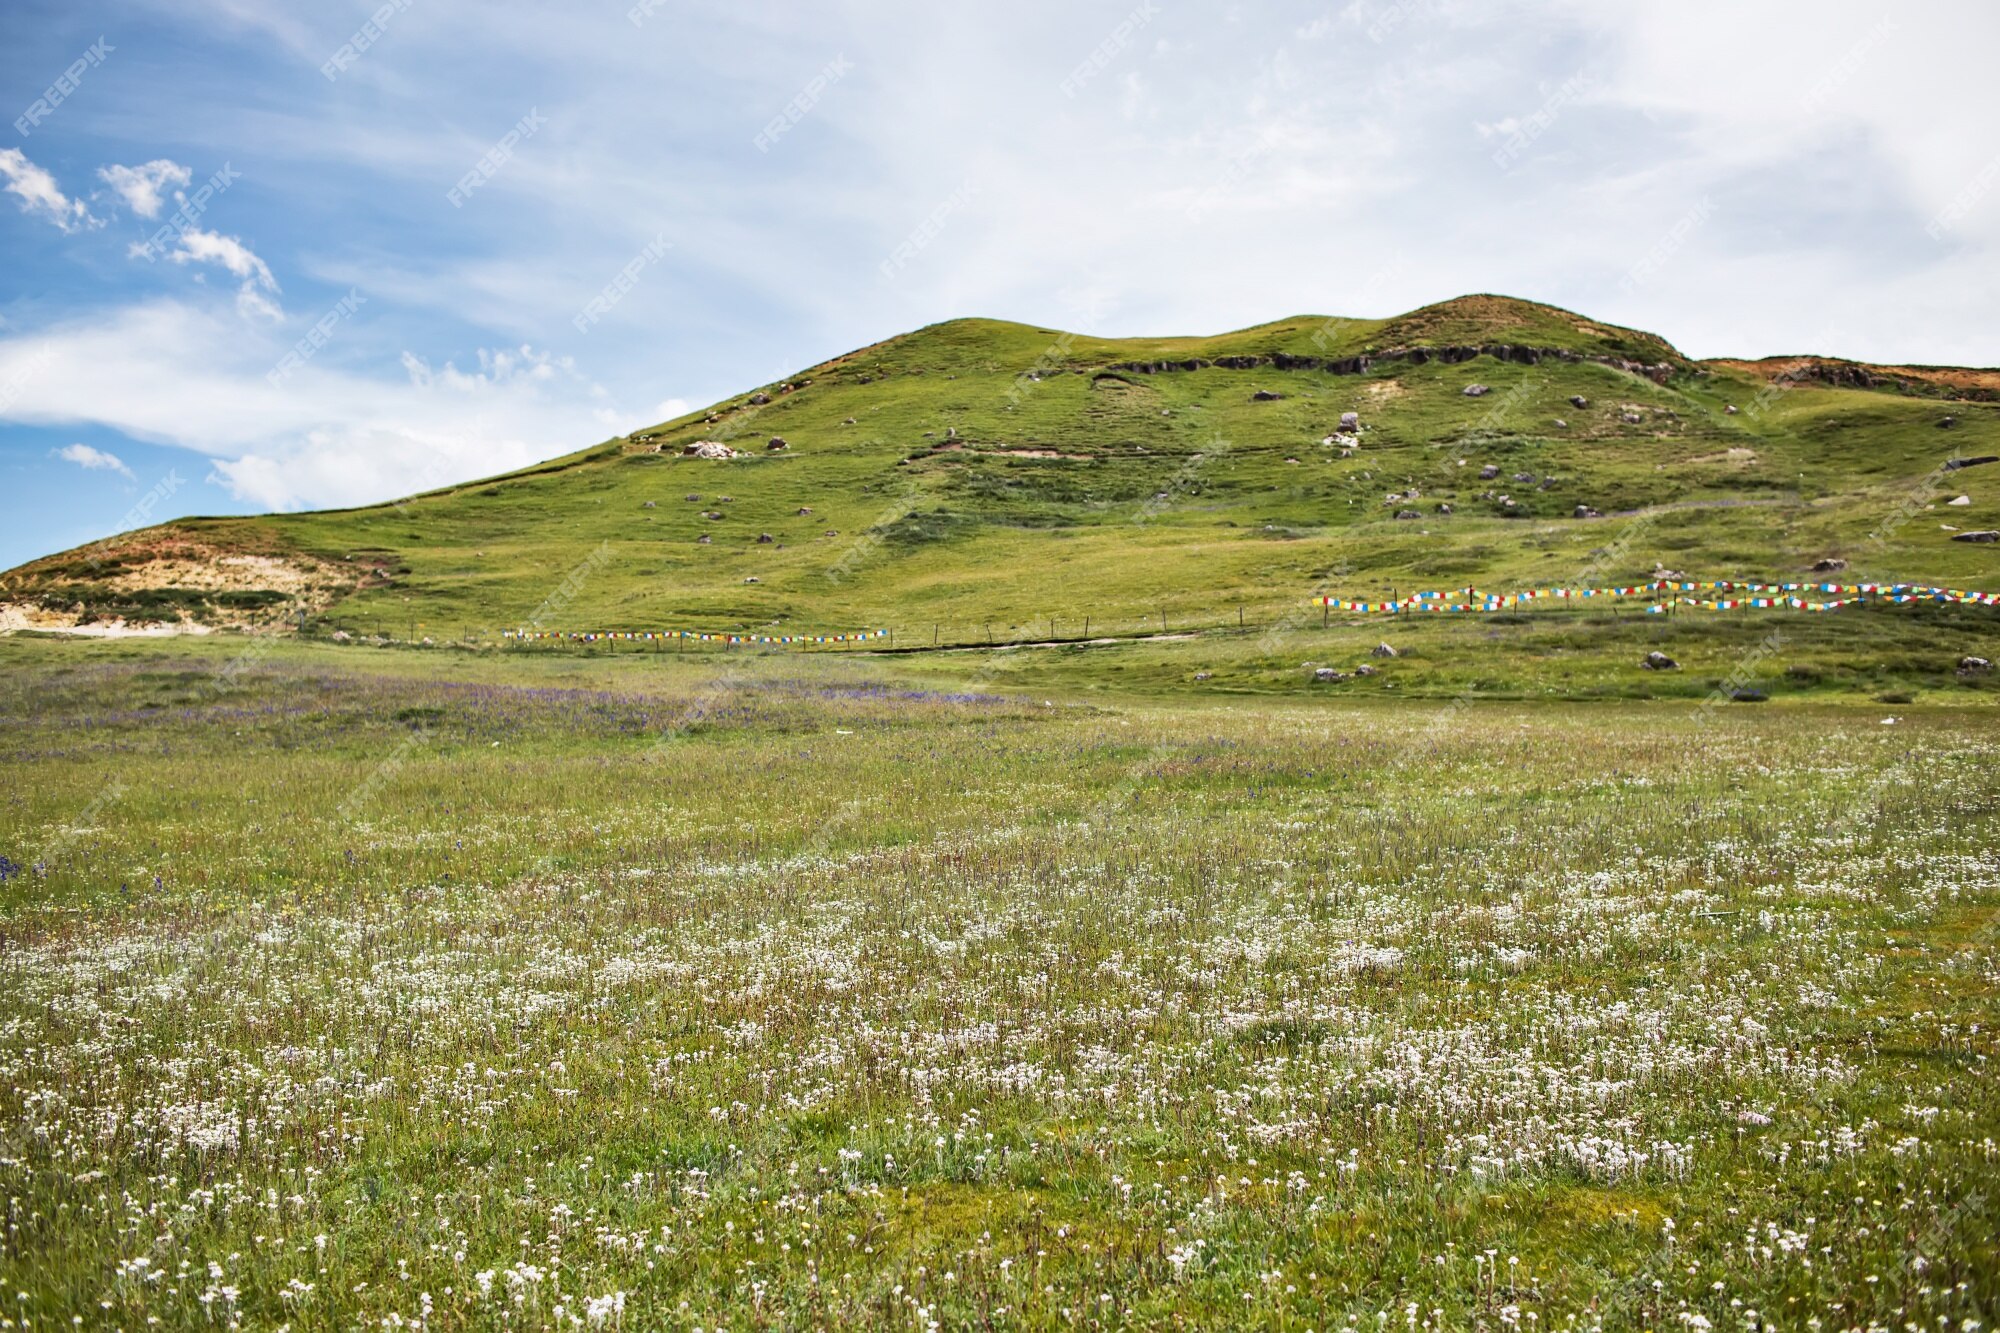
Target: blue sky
x,y
264,255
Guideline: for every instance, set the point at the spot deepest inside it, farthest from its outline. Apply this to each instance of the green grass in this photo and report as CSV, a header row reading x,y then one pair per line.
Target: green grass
x,y
1034,988
1169,491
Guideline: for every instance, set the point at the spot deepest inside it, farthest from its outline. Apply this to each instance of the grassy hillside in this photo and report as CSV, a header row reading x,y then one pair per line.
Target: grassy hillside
x,y
979,472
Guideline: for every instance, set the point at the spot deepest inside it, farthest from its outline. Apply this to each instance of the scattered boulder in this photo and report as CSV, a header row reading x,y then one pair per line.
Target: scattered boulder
x,y
694,498
1959,500
1630,418
1729,410
765,539
1265,396
1561,424
1748,696
1444,507
847,421
711,514
1324,674
776,443
1476,390
753,579
1350,421
804,510
1489,472
1981,536
708,449
1291,460
1383,650
1364,670
702,540
650,504
1659,661
1407,513
1528,477
1974,666
342,636
1578,401
1946,423
1202,675
833,532
1832,564
1585,511
759,399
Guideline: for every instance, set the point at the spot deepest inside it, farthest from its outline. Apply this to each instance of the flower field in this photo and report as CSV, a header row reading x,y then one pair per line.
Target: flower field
x,y
780,992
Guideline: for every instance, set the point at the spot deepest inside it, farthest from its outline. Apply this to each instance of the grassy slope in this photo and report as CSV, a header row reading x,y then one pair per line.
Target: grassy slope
x,y
1172,490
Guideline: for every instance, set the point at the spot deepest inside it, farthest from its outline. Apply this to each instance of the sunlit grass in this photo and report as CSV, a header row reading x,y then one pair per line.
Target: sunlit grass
x,y
809,992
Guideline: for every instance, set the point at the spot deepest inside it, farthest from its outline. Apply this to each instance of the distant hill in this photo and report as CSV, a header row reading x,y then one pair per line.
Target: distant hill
x,y
980,471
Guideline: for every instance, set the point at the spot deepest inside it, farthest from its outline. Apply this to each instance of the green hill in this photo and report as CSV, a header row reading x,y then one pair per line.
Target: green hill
x,y
980,472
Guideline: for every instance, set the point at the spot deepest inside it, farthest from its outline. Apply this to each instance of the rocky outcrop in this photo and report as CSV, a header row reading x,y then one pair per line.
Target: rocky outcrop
x,y
1513,353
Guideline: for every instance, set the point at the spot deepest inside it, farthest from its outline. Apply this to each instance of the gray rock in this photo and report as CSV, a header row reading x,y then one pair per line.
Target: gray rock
x,y
1202,675
1982,536
804,510
1383,650
1959,501
1265,396
1630,418
650,504
1585,511
1968,666
1946,423
1489,472
1477,390
702,540
1659,661
1578,401
765,539
1444,507
1730,410
759,399
1408,513
1364,670
1747,696
1324,674
776,443
1350,421
1561,424
1832,564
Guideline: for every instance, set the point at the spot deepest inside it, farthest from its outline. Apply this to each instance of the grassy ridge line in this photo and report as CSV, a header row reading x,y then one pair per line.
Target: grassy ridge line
x,y
980,470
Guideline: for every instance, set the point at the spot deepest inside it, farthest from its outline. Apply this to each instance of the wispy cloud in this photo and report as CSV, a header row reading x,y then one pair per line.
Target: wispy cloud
x,y
178,373
39,194
255,296
93,460
142,187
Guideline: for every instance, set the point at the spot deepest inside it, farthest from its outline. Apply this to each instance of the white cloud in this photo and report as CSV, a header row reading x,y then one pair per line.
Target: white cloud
x,y
141,187
94,460
671,408
39,194
254,298
176,373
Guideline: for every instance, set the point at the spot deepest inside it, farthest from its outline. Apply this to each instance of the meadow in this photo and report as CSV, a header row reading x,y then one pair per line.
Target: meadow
x,y
362,987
